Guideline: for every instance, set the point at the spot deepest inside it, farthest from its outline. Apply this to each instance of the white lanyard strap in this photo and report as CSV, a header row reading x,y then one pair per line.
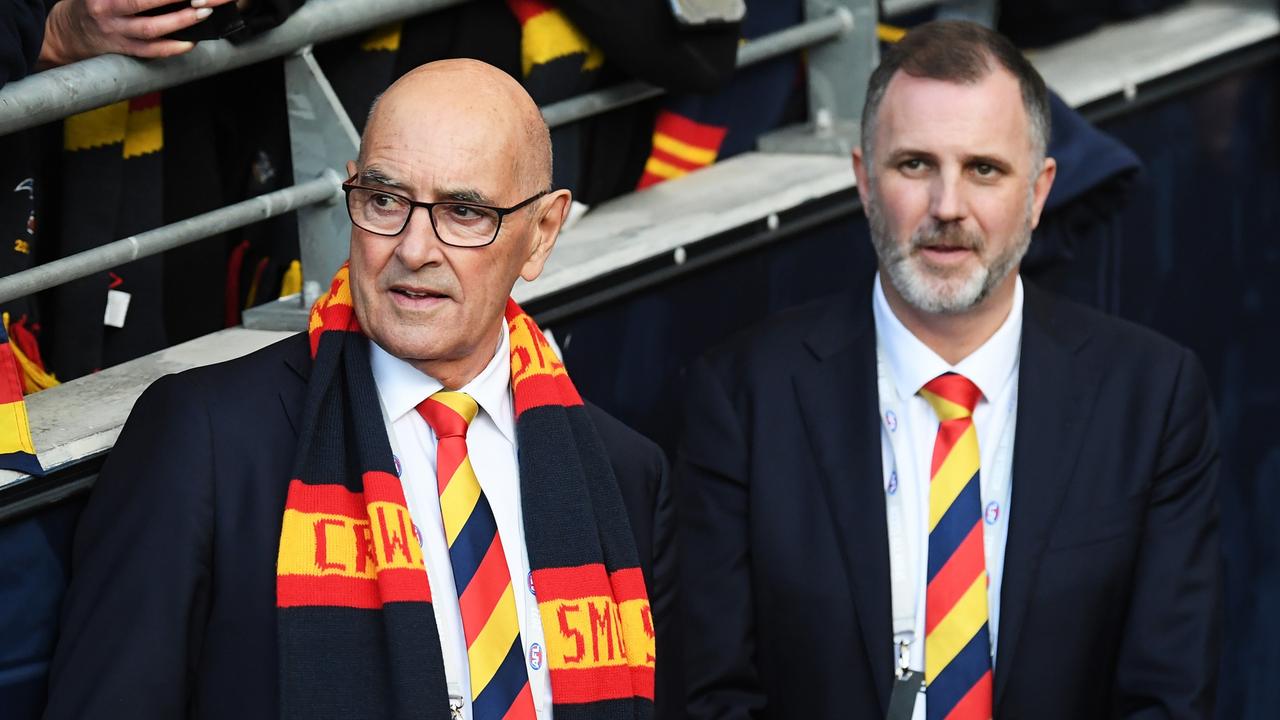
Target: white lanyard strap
x,y
901,564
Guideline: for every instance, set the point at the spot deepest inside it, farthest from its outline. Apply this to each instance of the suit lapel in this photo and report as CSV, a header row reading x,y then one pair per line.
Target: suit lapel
x,y
840,410
293,391
1053,387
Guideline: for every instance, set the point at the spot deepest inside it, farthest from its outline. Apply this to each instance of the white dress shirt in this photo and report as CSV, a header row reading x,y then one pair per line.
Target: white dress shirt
x,y
491,446
993,367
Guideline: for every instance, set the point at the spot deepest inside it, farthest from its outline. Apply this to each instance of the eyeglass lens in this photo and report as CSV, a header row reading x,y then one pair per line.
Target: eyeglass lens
x,y
455,223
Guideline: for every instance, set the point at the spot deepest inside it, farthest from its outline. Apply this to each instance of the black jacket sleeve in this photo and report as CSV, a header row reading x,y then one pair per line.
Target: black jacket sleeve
x,y
712,479
643,39
1170,649
133,617
21,33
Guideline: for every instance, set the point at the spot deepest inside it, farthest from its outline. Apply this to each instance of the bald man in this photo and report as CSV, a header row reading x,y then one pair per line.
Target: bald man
x,y
406,512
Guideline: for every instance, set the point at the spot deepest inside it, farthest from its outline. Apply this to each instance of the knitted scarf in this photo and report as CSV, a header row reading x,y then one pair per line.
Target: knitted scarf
x,y
356,630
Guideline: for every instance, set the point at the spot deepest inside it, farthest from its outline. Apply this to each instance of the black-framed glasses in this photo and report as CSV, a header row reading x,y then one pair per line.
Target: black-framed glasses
x,y
456,223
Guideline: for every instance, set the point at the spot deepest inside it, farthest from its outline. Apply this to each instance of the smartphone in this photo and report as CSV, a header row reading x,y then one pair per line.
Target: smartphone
x,y
224,21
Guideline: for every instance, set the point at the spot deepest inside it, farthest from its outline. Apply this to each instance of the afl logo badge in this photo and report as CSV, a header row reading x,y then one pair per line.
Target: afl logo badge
x,y
891,421
531,590
535,656
396,459
417,533
993,512
893,482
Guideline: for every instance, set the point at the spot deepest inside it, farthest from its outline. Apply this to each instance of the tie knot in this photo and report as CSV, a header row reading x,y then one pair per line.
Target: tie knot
x,y
952,396
449,413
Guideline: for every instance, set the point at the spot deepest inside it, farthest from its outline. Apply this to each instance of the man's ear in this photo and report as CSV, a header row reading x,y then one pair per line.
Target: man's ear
x,y
860,172
1040,188
551,212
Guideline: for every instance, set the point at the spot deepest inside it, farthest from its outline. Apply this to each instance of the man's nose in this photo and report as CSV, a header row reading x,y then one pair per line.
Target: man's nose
x,y
419,245
947,200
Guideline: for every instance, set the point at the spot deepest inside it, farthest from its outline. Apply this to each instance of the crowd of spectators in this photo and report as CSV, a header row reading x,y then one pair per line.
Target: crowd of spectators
x,y
105,174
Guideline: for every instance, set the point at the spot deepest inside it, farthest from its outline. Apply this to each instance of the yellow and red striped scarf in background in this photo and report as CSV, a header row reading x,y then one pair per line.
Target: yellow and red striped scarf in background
x,y
680,146
547,36
355,621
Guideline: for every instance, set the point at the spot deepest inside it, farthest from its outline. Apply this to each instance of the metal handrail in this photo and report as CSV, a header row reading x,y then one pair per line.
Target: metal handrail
x,y
902,7
99,81
326,188
763,48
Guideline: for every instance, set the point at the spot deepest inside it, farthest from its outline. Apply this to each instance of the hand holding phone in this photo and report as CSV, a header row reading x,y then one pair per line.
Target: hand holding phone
x,y
80,29
223,21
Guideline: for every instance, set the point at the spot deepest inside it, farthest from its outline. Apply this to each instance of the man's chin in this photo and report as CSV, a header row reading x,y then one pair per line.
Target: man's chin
x,y
945,293
413,346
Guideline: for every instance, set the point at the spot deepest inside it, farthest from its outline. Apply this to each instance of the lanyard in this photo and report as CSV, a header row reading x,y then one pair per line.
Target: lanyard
x,y
903,571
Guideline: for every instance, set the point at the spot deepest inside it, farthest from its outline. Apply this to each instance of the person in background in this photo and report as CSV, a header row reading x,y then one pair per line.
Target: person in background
x,y
36,37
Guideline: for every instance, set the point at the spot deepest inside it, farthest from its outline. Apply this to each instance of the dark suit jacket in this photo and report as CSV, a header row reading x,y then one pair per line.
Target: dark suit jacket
x,y
171,608
1110,602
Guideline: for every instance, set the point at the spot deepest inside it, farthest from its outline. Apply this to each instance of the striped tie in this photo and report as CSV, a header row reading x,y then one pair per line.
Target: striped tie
x,y
495,655
957,644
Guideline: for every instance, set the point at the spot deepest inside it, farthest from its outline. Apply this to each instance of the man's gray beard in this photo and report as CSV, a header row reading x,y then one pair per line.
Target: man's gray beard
x,y
942,295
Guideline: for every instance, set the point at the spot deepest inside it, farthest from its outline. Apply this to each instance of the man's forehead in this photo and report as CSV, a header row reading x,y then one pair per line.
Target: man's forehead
x,y
405,120
920,111
425,156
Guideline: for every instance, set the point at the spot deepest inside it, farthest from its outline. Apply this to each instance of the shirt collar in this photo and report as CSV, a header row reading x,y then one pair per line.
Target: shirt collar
x,y
913,364
401,386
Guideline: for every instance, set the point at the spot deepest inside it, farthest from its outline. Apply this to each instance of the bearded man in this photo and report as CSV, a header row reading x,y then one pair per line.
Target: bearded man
x,y
946,493
407,511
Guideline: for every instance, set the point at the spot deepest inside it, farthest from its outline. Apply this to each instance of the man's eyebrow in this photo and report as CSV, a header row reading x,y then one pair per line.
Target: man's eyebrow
x,y
375,176
899,154
468,195
993,160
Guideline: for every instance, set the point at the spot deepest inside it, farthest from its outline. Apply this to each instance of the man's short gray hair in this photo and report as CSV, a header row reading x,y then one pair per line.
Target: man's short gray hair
x,y
959,52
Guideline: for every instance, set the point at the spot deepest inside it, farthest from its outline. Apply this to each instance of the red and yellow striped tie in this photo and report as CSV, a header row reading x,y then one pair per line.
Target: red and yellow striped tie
x,y
957,651
499,682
